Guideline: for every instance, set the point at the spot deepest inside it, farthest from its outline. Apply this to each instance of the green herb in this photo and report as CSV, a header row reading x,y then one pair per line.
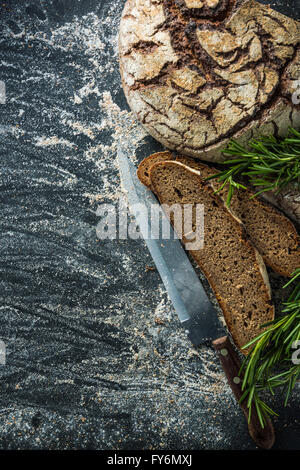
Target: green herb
x,y
269,163
270,363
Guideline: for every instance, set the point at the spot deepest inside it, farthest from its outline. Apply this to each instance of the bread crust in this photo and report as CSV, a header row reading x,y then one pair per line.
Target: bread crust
x,y
197,76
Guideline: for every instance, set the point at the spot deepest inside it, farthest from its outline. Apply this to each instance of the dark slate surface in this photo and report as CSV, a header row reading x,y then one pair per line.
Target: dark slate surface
x,y
88,367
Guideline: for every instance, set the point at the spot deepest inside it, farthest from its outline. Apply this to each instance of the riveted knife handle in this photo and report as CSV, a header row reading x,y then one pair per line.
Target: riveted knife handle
x,y
263,437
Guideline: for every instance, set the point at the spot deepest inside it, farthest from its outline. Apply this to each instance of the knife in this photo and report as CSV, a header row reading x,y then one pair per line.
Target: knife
x,y
196,313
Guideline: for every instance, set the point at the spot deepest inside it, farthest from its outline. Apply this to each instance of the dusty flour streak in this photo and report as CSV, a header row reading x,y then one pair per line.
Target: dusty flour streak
x,y
125,129
83,32
44,141
79,128
88,89
96,40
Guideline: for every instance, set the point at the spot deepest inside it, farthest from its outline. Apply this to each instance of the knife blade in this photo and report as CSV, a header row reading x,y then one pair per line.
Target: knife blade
x,y
196,312
194,309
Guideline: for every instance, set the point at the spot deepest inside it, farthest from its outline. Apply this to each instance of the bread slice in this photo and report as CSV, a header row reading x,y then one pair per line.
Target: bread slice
x,y
232,265
143,171
271,232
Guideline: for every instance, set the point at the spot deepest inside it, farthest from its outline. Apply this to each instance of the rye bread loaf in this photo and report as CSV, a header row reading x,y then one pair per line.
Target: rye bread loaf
x,y
231,264
197,73
273,234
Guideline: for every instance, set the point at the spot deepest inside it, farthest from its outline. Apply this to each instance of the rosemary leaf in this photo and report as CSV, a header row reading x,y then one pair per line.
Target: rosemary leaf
x,y
268,162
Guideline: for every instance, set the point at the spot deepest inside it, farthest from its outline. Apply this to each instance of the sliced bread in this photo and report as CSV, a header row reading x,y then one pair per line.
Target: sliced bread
x,y
272,233
143,171
233,267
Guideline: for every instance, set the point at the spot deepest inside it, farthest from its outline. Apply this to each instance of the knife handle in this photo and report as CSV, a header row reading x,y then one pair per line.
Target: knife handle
x,y
231,364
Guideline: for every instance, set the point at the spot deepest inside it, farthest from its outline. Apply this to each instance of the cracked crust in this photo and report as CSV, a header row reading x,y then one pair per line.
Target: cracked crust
x,y
288,200
197,73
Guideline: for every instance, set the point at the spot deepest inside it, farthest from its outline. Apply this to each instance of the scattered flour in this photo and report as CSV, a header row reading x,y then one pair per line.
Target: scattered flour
x,y
51,141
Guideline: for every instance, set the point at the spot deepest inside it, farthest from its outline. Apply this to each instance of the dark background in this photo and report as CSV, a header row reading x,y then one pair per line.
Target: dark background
x,y
89,365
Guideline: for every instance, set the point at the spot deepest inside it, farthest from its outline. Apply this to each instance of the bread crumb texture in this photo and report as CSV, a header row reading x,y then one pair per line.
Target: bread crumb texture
x,y
229,261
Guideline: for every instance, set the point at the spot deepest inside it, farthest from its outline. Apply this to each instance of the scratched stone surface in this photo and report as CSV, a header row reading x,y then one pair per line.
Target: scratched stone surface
x,y
95,355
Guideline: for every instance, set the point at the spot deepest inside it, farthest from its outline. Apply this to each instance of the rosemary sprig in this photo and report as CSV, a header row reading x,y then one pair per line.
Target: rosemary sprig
x,y
269,163
270,364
